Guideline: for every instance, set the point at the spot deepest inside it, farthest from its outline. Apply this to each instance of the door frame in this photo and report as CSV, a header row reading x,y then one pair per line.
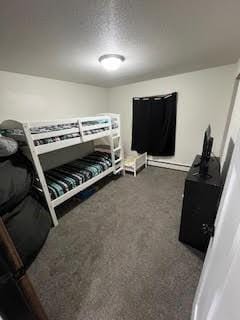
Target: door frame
x,y
217,234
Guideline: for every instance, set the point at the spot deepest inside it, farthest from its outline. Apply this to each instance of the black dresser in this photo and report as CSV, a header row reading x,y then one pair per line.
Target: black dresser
x,y
200,203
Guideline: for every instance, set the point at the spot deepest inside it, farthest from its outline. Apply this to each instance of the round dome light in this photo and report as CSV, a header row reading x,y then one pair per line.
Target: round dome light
x,y
111,62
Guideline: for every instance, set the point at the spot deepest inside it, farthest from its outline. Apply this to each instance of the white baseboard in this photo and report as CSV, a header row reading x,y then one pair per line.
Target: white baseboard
x,y
168,165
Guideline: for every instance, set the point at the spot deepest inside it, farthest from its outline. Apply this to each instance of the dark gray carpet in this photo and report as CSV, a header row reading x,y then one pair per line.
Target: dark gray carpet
x,y
116,256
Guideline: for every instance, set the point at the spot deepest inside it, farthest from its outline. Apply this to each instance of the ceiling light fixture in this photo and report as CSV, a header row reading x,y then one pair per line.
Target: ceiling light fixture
x,y
111,62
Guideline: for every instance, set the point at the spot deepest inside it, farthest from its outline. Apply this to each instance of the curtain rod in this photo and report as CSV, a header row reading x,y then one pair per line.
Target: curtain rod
x,y
156,96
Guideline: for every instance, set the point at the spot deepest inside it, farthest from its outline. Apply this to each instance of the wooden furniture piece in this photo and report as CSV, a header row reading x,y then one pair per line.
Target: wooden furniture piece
x,y
134,162
46,136
22,280
200,203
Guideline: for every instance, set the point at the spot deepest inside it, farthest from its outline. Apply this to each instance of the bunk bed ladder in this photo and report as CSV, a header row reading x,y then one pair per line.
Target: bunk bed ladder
x,y
117,152
40,172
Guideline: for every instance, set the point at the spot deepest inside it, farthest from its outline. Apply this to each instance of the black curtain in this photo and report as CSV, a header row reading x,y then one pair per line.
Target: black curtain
x,y
154,125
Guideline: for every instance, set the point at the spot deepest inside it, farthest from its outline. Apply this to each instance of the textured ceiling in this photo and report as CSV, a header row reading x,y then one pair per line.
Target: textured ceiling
x,y
63,39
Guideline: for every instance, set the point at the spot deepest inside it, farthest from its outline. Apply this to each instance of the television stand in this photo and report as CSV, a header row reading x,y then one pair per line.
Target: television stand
x,y
200,204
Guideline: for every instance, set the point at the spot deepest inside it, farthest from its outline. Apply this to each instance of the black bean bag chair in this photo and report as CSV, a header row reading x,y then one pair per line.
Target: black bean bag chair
x,y
27,220
28,225
16,177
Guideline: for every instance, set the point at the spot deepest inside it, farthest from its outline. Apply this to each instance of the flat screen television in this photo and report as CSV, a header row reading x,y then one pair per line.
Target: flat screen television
x,y
206,152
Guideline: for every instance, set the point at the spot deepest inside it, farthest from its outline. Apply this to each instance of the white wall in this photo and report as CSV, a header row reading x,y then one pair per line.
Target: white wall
x,y
203,97
233,123
24,97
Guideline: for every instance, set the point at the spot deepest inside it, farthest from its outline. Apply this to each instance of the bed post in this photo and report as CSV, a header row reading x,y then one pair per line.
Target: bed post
x,y
112,145
38,167
80,129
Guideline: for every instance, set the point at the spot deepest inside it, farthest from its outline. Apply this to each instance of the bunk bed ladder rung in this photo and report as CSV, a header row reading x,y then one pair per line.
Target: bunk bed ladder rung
x,y
119,170
118,160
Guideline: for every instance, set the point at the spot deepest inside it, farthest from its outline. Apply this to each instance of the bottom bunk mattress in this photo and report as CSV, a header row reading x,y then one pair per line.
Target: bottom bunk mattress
x,y
68,176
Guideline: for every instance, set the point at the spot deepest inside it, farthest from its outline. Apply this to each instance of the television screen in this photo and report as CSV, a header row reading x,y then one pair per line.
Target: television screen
x,y
206,152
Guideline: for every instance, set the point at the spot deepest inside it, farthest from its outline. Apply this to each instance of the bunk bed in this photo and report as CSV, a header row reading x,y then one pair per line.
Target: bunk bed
x,y
61,183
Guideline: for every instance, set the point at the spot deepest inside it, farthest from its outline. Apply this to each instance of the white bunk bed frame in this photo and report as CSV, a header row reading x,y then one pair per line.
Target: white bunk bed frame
x,y
21,131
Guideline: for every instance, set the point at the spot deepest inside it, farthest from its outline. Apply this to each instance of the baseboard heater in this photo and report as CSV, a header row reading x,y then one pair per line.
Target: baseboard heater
x,y
169,165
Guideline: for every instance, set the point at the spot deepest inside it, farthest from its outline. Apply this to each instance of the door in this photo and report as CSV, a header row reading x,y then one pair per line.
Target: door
x,y
218,292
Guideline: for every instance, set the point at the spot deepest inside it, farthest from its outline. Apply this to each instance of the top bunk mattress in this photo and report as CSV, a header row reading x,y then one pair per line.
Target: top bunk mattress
x,y
68,176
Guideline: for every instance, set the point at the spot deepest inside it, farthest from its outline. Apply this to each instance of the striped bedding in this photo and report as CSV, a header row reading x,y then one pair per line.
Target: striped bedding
x,y
93,131
66,177
63,126
55,139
